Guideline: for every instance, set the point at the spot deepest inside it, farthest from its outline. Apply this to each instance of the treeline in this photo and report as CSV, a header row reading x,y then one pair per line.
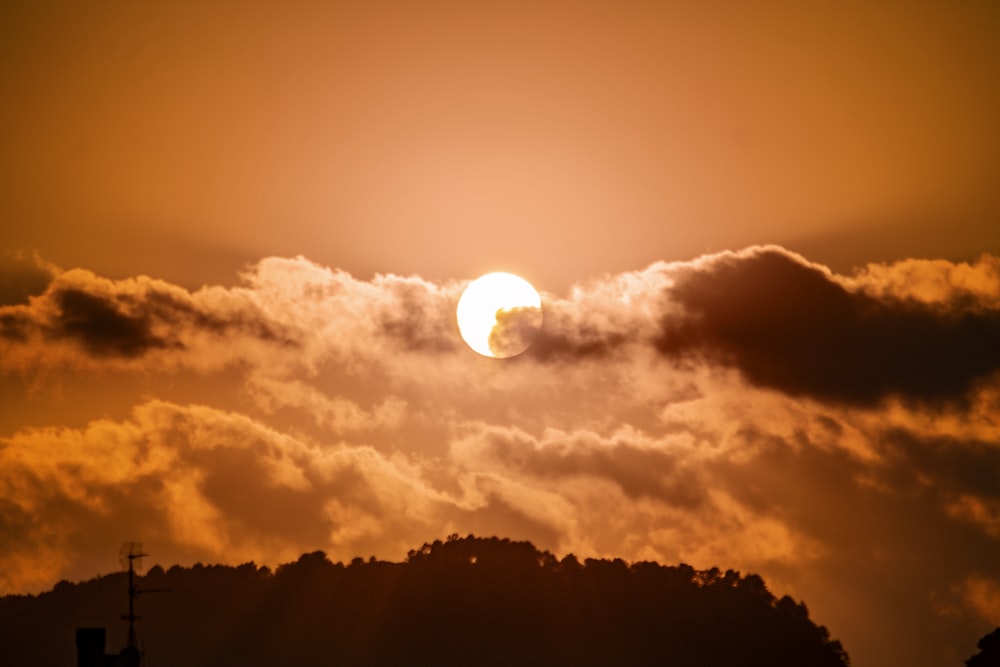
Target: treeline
x,y
465,601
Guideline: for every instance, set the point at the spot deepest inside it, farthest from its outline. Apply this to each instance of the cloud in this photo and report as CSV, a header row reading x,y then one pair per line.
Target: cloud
x,y
23,276
652,497
638,466
201,483
790,325
602,316
782,322
917,330
84,321
406,312
983,595
335,414
100,326
514,331
289,312
933,281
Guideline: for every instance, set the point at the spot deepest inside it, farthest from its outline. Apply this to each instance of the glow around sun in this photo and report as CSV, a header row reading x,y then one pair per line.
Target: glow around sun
x,y
499,314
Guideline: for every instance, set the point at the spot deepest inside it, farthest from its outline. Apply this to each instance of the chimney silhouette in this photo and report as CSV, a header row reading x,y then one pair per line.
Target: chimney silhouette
x,y
90,647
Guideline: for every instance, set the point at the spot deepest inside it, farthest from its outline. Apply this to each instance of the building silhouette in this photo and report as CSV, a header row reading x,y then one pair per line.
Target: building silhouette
x,y
90,647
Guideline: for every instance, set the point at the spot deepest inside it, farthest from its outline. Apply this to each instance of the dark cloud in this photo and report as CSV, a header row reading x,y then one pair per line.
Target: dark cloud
x,y
409,310
416,332
789,325
132,318
415,336
515,330
98,324
957,466
14,327
22,277
639,472
167,307
554,345
572,331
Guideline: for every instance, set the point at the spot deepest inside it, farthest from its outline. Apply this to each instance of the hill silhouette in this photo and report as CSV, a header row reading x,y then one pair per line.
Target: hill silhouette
x,y
989,651
464,601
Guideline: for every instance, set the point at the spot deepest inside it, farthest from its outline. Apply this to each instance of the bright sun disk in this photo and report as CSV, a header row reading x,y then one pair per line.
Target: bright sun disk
x,y
499,314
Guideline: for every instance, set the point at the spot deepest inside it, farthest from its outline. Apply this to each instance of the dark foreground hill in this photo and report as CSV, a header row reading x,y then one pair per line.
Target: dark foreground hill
x,y
469,602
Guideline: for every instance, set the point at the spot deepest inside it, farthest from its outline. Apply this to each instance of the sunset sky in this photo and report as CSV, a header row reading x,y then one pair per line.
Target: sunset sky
x,y
766,234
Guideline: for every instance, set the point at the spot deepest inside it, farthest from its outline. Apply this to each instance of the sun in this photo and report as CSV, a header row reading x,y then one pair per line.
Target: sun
x,y
499,315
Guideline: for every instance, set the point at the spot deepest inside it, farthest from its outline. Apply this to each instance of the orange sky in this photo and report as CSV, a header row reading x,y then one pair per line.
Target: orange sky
x,y
566,139
822,411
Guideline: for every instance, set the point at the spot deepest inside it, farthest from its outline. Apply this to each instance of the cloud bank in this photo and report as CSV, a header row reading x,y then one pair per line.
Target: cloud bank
x,y
836,433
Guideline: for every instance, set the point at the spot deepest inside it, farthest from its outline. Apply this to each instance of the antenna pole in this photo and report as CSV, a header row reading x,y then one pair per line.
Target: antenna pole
x,y
131,656
133,593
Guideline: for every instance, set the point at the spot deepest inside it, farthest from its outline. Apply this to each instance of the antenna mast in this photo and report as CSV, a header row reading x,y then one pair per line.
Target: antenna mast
x,y
131,555
131,552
